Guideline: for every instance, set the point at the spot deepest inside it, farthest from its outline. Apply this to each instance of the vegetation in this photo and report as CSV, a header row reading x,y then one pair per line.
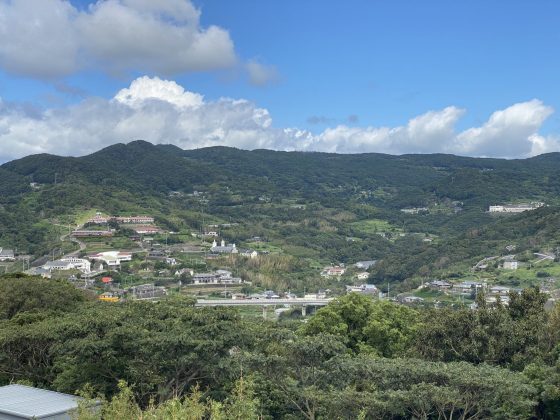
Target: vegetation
x,y
313,208
356,358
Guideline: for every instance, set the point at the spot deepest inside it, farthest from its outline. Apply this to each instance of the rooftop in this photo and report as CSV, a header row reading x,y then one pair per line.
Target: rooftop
x,y
28,402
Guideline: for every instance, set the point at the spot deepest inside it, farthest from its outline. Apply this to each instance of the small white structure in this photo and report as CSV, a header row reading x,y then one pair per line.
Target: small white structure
x,y
364,265
171,261
335,271
7,255
511,265
363,276
365,289
250,253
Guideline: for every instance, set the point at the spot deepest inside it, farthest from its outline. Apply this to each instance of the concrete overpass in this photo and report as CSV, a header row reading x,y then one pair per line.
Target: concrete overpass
x,y
264,303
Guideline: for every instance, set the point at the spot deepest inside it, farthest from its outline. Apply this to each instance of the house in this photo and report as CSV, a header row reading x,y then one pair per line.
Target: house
x,y
147,291
99,219
134,219
500,290
171,261
7,255
223,248
217,277
363,275
109,297
321,294
335,271
184,271
156,254
112,258
146,230
250,253
510,264
366,289
271,294
439,284
26,402
410,299
467,286
365,265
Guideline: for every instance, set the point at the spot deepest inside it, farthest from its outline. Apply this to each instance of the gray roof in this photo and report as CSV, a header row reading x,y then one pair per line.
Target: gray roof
x,y
20,401
6,252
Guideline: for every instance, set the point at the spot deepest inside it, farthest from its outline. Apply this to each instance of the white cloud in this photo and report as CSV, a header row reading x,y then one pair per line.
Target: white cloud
x,y
144,89
51,38
161,111
260,74
38,37
507,133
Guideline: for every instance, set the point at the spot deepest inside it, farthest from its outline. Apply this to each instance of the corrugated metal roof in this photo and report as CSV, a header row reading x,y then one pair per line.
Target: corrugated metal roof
x,y
28,402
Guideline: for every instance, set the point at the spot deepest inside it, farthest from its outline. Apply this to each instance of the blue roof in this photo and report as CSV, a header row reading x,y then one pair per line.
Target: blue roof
x,y
28,402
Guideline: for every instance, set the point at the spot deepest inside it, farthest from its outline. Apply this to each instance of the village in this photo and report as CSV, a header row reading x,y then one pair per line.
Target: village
x,y
124,257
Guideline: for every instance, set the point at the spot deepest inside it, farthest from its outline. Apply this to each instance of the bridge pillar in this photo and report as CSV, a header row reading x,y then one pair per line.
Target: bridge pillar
x,y
304,310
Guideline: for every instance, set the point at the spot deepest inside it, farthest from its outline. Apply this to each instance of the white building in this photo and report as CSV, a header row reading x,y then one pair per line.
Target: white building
x,y
511,265
112,258
515,208
223,248
69,263
7,255
335,271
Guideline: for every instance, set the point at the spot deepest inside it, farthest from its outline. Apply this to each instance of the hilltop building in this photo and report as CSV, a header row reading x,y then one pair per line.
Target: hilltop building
x,y
100,219
514,208
91,233
335,271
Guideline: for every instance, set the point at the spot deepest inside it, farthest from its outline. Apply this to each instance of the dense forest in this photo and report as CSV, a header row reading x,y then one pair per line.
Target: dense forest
x,y
355,358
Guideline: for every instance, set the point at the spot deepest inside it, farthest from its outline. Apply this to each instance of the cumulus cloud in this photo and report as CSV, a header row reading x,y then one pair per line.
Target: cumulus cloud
x,y
509,132
260,74
161,111
52,38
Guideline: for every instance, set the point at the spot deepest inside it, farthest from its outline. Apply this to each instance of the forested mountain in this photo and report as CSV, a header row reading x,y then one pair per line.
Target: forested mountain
x,y
327,207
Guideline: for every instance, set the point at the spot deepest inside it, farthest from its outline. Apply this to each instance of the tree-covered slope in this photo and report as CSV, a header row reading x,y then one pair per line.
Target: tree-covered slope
x,y
349,202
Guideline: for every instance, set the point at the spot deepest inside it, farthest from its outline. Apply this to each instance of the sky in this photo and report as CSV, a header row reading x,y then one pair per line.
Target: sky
x,y
476,78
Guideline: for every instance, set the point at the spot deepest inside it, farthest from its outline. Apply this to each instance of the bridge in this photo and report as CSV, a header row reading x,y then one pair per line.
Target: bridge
x,y
264,303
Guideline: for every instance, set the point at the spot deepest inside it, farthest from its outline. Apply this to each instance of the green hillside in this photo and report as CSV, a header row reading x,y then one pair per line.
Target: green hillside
x,y
317,208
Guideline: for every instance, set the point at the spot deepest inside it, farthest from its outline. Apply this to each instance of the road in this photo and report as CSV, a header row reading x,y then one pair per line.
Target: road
x,y
68,236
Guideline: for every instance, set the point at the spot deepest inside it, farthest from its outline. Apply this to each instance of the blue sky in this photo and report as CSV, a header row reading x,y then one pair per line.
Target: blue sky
x,y
351,76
